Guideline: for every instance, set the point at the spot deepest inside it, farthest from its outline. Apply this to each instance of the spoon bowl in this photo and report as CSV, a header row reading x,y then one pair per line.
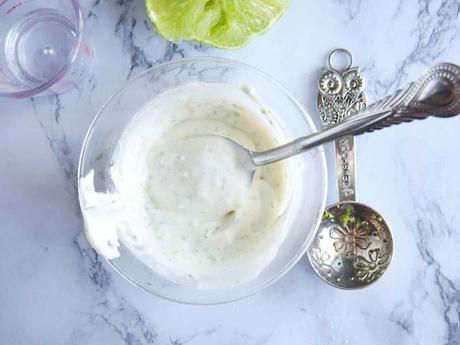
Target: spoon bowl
x,y
353,246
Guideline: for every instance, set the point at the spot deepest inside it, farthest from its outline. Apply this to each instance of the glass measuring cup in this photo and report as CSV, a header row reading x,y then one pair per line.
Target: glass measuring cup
x,y
41,47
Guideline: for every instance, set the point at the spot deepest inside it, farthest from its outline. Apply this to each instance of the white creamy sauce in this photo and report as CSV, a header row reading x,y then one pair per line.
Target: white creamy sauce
x,y
200,177
182,206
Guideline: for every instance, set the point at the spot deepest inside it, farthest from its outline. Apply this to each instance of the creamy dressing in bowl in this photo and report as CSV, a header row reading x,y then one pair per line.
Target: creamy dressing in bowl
x,y
178,205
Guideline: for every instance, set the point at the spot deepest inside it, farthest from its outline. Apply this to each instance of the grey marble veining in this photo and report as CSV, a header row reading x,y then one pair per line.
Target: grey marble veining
x,y
56,290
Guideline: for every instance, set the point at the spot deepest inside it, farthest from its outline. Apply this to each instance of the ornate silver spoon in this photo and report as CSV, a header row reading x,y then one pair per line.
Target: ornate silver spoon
x,y
356,232
353,246
436,93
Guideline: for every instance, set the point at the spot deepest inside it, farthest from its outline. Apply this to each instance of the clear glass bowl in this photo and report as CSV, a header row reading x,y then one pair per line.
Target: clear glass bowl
x,y
309,169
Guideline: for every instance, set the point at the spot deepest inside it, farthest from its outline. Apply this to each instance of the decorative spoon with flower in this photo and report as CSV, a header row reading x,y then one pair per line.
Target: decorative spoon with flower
x,y
353,246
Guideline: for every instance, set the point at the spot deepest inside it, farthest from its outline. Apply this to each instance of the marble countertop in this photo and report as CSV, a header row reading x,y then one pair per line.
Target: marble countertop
x,y
55,290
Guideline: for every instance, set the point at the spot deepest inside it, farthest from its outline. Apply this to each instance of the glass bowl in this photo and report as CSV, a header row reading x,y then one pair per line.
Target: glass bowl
x,y
308,170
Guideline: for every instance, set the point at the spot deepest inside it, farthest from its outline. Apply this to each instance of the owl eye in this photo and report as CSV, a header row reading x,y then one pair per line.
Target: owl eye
x,y
330,83
353,81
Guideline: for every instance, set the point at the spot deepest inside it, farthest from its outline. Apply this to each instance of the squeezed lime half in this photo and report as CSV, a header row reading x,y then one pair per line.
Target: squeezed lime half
x,y
227,24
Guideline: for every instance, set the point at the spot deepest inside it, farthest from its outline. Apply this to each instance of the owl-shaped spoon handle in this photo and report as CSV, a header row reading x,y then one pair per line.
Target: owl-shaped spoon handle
x,y
436,93
340,94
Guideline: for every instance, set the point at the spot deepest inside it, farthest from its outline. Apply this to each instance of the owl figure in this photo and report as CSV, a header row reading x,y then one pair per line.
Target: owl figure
x,y
340,94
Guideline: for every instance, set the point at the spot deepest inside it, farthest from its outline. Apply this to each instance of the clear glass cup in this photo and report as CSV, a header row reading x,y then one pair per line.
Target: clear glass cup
x,y
41,47
307,170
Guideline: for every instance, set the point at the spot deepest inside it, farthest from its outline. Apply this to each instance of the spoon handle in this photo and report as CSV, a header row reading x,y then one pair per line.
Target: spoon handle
x,y
436,93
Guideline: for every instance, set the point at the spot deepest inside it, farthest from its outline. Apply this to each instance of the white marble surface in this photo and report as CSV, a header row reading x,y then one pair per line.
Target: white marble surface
x,y
55,290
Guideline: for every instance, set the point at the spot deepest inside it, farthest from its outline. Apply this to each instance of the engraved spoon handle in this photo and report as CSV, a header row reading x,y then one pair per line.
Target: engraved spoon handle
x,y
436,93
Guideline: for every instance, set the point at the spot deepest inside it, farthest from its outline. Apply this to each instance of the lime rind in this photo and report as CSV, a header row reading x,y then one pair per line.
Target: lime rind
x,y
228,24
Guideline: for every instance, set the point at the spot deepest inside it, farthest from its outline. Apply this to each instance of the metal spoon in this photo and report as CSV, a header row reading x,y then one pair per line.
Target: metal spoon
x,y
353,245
436,93
358,233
